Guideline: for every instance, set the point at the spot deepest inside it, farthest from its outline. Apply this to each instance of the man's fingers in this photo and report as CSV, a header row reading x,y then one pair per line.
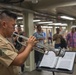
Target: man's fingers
x,y
32,38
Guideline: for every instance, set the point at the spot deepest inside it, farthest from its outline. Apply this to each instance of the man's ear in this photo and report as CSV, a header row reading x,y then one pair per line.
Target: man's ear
x,y
4,25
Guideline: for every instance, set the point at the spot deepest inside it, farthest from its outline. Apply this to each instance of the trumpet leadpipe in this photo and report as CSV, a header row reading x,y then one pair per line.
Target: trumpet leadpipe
x,y
27,39
21,36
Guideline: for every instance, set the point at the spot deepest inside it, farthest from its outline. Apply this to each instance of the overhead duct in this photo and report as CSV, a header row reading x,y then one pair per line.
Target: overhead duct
x,y
4,1
10,1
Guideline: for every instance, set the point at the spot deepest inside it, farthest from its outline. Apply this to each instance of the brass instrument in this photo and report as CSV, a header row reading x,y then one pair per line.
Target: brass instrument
x,y
59,52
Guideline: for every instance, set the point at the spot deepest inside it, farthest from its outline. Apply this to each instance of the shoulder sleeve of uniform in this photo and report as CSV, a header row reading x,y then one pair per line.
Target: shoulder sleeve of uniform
x,y
7,55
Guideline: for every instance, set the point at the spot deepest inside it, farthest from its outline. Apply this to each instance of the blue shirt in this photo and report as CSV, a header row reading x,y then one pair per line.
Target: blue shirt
x,y
39,36
44,34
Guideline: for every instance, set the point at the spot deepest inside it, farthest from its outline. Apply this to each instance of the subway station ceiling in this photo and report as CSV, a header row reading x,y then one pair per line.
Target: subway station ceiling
x,y
45,8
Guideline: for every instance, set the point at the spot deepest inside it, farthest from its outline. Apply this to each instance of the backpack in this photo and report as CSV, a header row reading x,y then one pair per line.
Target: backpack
x,y
63,43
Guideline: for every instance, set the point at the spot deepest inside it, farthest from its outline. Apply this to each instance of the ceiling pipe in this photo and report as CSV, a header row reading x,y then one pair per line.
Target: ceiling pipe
x,y
20,9
11,7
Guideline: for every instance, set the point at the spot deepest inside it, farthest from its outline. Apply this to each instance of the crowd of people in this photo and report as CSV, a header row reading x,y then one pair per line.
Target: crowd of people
x,y
61,39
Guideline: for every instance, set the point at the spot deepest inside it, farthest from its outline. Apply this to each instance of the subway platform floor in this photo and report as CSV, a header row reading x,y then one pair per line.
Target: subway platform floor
x,y
48,72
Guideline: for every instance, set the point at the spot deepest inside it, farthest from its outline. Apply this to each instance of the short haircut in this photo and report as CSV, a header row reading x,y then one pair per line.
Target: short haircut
x,y
8,13
57,29
38,26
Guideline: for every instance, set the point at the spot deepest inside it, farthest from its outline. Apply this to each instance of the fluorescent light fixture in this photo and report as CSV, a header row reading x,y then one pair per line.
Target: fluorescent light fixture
x,y
34,1
51,24
20,25
64,24
66,17
45,22
36,20
19,17
58,24
15,25
57,27
54,24
46,26
74,26
62,27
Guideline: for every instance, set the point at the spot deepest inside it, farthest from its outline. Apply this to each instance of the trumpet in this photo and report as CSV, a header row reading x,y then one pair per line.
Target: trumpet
x,y
58,52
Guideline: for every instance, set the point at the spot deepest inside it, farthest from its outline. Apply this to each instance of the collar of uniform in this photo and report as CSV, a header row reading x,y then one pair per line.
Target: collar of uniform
x,y
3,39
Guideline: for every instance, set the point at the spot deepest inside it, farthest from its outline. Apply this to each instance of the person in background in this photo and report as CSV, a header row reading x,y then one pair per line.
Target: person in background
x,y
17,40
19,30
63,37
63,42
71,39
57,38
44,34
49,37
17,45
10,59
63,32
40,38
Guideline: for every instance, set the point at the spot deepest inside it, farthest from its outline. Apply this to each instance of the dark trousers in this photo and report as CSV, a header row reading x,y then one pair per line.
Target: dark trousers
x,y
57,45
38,57
22,67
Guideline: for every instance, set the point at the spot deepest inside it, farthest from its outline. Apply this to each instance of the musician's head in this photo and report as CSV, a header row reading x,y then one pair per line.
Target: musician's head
x,y
7,23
